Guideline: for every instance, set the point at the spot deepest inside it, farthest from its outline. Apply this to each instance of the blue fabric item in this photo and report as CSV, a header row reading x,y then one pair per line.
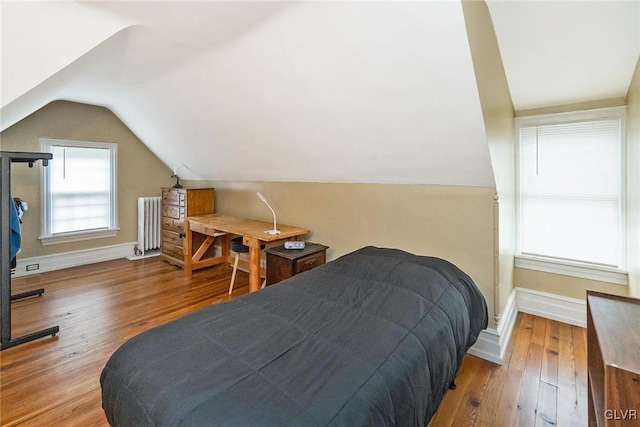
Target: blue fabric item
x,y
15,229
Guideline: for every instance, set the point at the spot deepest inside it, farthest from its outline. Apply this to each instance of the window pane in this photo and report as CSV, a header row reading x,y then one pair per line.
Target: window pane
x,y
571,159
80,189
580,230
570,191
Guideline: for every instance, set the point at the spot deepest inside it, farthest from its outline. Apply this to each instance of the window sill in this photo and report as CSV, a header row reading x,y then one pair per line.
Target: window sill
x,y
78,236
601,274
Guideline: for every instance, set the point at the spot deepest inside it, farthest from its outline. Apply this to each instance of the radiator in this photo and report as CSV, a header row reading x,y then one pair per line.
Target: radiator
x,y
149,224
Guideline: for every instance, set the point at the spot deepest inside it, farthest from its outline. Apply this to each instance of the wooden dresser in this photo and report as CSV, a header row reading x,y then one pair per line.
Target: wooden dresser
x,y
613,345
177,204
285,263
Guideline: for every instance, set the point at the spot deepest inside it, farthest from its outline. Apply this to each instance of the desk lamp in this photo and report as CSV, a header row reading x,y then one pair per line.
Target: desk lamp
x,y
275,230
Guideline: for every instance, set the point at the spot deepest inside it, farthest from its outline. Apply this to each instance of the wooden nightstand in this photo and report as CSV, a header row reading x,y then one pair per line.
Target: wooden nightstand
x,y
285,263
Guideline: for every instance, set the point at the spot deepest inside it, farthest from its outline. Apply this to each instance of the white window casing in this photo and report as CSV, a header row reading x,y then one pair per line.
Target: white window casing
x,y
571,194
79,191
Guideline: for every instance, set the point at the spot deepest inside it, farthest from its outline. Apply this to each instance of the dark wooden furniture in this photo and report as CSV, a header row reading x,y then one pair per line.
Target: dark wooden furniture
x,y
177,204
613,345
285,263
6,158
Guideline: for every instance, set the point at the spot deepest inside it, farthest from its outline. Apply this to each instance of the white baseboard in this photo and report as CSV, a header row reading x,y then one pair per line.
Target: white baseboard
x,y
556,307
492,343
488,346
59,261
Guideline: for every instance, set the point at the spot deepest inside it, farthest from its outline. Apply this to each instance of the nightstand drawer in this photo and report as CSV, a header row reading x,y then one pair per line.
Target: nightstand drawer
x,y
285,263
309,262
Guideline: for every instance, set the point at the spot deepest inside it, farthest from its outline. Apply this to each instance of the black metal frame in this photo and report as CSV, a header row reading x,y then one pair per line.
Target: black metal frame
x,y
6,158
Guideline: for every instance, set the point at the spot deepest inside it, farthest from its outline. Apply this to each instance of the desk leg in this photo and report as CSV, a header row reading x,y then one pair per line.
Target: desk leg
x,y
187,247
254,263
226,245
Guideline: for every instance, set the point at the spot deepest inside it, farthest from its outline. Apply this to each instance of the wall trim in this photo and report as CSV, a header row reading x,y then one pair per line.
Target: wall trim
x,y
507,323
487,346
492,343
556,307
59,261
566,268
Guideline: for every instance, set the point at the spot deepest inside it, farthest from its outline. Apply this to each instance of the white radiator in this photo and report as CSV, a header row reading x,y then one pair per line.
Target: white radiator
x,y
149,224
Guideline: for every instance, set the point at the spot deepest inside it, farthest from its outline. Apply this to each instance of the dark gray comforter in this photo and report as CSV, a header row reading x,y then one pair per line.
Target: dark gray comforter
x,y
373,338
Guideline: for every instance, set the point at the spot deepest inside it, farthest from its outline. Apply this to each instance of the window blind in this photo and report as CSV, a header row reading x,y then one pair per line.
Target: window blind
x,y
570,191
80,189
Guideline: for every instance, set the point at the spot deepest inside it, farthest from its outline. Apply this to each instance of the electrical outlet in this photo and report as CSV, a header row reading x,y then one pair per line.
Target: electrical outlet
x,y
33,267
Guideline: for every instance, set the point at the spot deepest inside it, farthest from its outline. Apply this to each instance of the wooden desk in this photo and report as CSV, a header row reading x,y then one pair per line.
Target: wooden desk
x,y
253,235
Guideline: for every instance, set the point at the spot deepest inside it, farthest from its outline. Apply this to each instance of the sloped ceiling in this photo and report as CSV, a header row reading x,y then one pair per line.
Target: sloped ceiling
x,y
380,92
273,91
567,52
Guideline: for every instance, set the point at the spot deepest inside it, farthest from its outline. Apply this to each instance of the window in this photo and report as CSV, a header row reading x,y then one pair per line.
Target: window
x,y
79,191
571,195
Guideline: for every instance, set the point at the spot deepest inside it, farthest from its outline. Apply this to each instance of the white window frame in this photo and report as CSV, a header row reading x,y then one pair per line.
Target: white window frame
x,y
569,268
47,237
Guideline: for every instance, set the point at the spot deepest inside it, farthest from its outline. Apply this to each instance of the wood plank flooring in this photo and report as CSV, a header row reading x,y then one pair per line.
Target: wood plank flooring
x,y
542,382
55,381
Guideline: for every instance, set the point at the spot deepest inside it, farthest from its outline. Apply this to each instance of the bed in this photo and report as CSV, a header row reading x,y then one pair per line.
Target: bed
x,y
374,337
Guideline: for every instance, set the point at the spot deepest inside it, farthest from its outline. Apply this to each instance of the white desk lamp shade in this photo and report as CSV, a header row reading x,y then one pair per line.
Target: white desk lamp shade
x,y
275,230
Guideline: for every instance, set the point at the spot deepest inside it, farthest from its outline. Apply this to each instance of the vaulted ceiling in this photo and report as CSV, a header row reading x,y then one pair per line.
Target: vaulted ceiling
x,y
309,91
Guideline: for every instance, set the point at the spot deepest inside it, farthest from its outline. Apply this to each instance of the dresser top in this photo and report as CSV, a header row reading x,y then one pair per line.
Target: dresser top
x,y
616,320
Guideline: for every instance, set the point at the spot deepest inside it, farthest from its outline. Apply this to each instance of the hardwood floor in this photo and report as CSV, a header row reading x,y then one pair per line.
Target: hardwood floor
x,y
55,381
542,382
